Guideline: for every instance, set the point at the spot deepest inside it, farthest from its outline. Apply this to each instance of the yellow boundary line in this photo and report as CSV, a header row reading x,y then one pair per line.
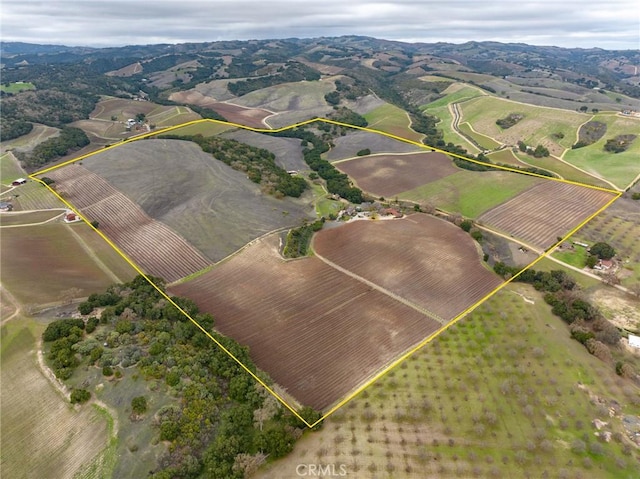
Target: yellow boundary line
x,y
406,354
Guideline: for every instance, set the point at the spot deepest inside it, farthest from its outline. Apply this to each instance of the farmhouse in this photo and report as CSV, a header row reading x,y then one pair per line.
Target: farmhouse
x,y
18,182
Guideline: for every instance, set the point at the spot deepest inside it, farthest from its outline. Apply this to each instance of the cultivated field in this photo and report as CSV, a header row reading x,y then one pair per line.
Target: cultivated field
x,y
537,127
41,434
152,245
548,210
471,193
390,175
252,117
505,393
33,196
288,151
293,102
217,209
356,140
422,259
619,168
392,119
41,264
316,331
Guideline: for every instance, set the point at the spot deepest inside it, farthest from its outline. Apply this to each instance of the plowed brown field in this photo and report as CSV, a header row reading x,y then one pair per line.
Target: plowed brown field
x,y
152,245
235,114
389,175
425,260
546,211
318,332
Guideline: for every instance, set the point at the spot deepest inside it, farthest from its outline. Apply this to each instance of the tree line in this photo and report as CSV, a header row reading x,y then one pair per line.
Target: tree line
x,y
259,164
337,183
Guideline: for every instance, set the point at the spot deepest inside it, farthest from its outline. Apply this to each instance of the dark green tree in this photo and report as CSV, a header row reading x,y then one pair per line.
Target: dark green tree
x,y
603,250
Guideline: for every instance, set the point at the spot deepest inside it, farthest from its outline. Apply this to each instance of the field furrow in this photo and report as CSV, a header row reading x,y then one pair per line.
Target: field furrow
x,y
317,332
545,212
153,246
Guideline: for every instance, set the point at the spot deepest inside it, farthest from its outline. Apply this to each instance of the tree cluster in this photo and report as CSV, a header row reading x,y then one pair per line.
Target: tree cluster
x,y
13,128
539,151
298,239
69,140
220,415
259,164
509,121
619,144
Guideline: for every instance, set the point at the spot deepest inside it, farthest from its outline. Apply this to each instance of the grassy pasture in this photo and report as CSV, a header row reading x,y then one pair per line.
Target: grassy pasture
x,y
471,193
455,93
563,169
484,141
577,258
391,119
10,169
13,219
40,263
42,434
497,394
537,126
505,156
619,168
17,87
205,128
27,142
164,116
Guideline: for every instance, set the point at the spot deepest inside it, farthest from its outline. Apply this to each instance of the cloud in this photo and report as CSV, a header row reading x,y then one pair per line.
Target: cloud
x,y
584,23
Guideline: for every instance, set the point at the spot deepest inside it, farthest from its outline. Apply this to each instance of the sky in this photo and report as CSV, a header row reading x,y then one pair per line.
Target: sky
x,y
609,24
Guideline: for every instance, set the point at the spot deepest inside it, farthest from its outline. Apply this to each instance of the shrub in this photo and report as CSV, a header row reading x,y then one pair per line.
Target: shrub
x,y
107,371
80,396
139,404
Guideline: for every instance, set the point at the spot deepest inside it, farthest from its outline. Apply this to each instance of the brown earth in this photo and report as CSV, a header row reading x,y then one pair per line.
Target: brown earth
x,y
546,211
235,114
389,175
423,259
316,331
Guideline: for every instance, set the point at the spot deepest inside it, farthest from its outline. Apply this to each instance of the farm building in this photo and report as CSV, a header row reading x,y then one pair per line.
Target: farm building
x,y
393,212
4,206
71,217
634,341
18,182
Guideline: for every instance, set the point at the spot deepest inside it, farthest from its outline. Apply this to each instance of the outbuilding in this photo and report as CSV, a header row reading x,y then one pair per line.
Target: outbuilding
x,y
18,182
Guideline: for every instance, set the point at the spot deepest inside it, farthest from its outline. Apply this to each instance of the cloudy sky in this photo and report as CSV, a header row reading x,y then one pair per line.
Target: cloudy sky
x,y
612,24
